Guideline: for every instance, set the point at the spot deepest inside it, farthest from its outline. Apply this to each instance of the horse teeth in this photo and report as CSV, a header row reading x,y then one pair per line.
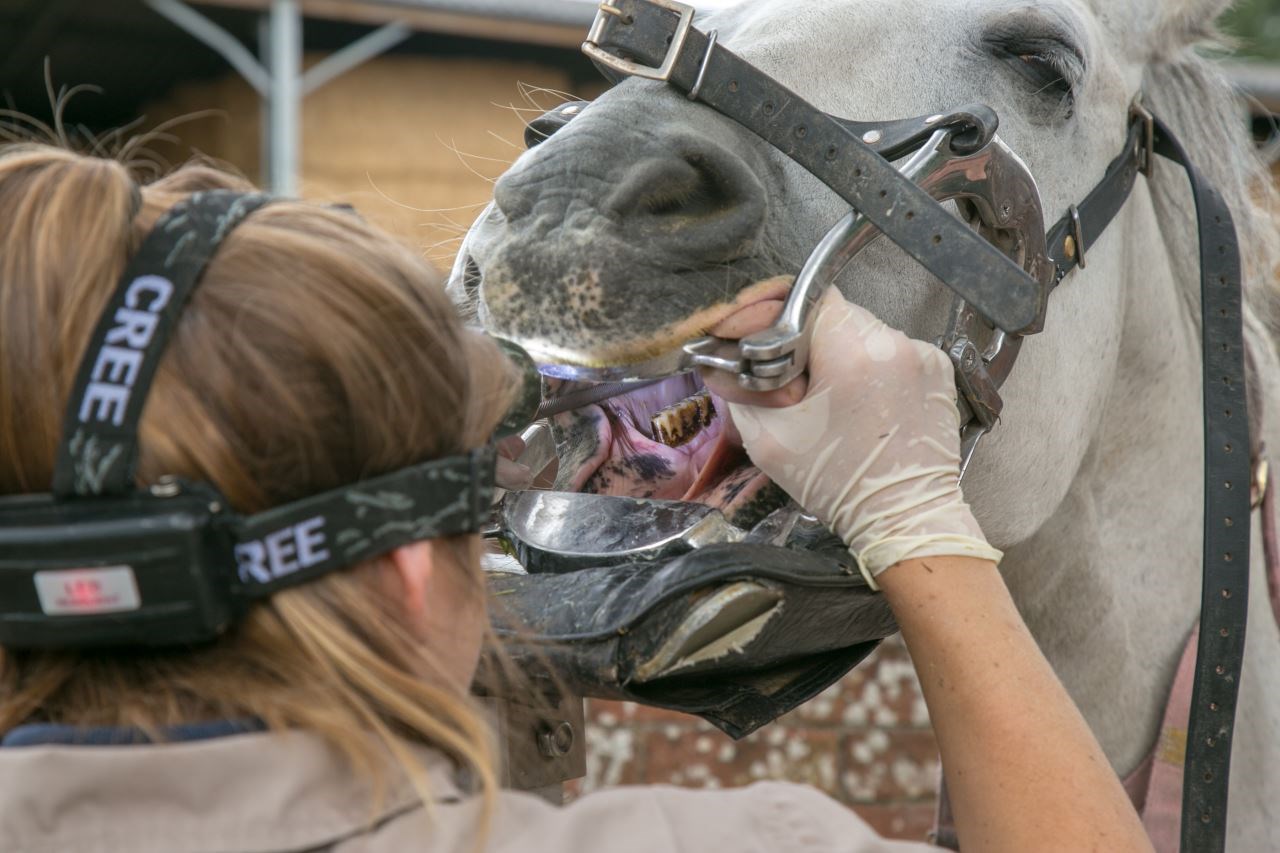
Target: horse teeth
x,y
679,423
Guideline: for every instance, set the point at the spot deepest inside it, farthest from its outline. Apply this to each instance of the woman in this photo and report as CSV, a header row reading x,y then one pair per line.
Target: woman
x,y
317,352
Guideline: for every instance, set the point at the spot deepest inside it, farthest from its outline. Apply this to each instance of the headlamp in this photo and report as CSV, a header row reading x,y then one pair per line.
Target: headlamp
x,y
99,562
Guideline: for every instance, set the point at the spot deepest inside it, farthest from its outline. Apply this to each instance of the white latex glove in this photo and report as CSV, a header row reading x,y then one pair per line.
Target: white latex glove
x,y
873,448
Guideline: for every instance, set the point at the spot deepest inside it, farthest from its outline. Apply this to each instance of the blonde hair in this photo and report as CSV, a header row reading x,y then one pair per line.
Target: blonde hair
x,y
316,351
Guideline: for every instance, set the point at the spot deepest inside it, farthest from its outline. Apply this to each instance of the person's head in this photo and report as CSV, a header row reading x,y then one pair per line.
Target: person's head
x,y
317,351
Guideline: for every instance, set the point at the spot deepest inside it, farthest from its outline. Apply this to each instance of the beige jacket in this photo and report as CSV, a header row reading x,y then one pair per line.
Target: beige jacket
x,y
267,792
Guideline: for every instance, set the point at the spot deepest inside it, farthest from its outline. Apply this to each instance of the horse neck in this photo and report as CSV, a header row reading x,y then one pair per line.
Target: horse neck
x,y
1109,585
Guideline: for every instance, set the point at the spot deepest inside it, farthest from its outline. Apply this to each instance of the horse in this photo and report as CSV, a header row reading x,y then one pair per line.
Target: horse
x,y
649,217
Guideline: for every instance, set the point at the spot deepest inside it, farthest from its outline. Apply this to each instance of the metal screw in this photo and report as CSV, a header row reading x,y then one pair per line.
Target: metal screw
x,y
166,487
556,741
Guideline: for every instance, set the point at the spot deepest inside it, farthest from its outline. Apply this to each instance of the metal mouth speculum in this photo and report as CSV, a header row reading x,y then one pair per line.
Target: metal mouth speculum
x,y
997,195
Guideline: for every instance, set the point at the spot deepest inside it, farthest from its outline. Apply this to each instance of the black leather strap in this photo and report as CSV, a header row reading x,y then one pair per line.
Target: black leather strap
x,y
976,270
1227,516
1228,468
300,541
1099,208
99,450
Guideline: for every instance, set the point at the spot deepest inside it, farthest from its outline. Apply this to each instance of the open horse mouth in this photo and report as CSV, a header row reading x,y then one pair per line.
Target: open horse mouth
x,y
671,440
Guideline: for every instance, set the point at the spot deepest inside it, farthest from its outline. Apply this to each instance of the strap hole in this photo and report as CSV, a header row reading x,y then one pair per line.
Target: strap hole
x,y
857,173
1226,593
1220,669
1224,632
1208,775
769,107
1227,485
1226,448
911,214
1211,741
937,239
733,85
1226,413
1227,522
884,193
831,155
1222,312
1226,347
1206,817
1226,558
802,132
1213,706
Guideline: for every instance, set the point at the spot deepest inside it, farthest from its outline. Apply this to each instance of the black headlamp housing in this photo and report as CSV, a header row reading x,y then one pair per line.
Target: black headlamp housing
x,y
136,570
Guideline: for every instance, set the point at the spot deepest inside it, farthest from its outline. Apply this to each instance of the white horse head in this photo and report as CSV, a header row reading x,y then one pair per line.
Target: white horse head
x,y
648,217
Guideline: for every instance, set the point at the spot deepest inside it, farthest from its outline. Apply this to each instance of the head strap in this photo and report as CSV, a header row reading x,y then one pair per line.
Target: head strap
x,y
300,541
99,450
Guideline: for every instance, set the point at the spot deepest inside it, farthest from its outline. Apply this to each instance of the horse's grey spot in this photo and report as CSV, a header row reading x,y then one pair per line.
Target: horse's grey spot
x,y
640,472
768,499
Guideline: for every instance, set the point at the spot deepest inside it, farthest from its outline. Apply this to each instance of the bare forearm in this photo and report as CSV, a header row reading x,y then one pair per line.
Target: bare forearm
x,y
1021,764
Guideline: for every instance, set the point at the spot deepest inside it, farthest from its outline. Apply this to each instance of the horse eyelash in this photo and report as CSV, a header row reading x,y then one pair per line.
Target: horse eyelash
x,y
1046,57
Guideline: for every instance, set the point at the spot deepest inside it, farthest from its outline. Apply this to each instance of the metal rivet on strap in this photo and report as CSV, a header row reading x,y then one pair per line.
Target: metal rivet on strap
x,y
1077,231
871,137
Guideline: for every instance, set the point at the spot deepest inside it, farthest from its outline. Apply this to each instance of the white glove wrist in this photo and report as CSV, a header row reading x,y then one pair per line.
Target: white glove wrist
x,y
873,449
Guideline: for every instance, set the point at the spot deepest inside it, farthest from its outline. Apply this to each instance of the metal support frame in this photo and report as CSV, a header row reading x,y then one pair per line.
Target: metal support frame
x,y
278,77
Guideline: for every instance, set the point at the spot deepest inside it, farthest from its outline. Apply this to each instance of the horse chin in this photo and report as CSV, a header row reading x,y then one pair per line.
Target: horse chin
x,y
626,458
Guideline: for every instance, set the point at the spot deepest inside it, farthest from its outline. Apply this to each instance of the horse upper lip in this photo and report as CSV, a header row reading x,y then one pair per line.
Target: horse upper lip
x,y
643,351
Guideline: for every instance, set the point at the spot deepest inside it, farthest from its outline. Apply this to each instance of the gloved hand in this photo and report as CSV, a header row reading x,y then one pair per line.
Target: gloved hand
x,y
873,448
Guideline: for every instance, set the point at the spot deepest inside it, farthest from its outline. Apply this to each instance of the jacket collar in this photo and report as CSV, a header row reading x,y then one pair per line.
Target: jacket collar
x,y
247,792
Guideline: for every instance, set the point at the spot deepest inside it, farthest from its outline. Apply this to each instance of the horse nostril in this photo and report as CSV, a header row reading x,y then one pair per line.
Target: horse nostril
x,y
690,187
471,278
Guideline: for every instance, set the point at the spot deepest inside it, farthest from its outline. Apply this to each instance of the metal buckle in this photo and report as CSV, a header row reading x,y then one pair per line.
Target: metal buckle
x,y
608,9
1137,111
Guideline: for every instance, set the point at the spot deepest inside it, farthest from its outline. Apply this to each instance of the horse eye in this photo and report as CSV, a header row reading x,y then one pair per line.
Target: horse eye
x,y
1047,73
1040,51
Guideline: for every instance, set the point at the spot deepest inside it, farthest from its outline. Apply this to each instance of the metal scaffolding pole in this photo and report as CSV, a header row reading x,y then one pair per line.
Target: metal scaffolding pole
x,y
285,124
278,78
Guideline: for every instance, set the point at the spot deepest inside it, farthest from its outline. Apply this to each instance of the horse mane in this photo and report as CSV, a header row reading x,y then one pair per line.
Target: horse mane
x,y
1194,98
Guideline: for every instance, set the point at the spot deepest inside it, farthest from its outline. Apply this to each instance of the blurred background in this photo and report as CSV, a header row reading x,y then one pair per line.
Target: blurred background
x,y
409,109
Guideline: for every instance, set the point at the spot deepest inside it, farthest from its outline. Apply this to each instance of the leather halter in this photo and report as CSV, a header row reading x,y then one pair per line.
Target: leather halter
x,y
656,39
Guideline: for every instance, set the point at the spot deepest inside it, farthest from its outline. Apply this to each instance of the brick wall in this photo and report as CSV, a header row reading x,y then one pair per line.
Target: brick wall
x,y
865,741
